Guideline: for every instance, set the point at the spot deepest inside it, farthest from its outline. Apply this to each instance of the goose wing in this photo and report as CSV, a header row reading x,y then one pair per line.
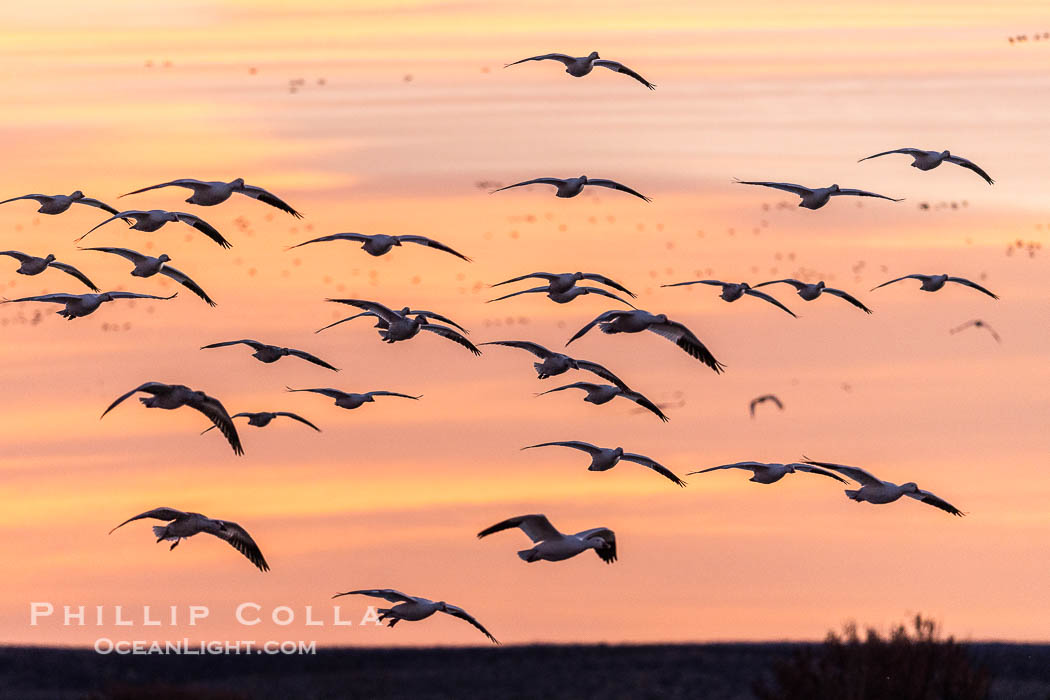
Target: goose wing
x,y
908,151
254,344
53,298
382,323
17,255
240,540
621,68
330,393
541,275
602,372
859,475
155,388
714,283
863,193
612,184
204,227
848,297
906,277
373,306
535,348
216,413
575,444
794,283
439,317
385,593
771,300
652,464
125,215
754,467
297,417
970,165
536,526
393,393
183,279
462,614
268,198
357,237
645,403
536,181
601,318
601,292
608,552
452,335
431,243
135,295
125,253
158,513
585,386
931,499
41,198
567,60
311,358
785,186
70,270
765,397
810,469
602,279
686,340
185,182
973,285
534,290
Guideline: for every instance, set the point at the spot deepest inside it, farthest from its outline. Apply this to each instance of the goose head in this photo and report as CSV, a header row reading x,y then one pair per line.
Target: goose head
x,y
50,257
910,487
946,154
239,182
77,195
583,179
820,285
593,55
835,188
163,257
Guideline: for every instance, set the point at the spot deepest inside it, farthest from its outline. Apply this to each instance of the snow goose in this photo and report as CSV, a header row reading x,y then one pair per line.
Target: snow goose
x,y
636,321
272,353
262,419
207,194
413,608
552,545
58,203
555,363
380,244
928,160
874,490
932,283
566,296
77,305
581,66
731,291
763,399
394,326
32,265
809,292
185,525
172,396
604,393
816,198
147,266
574,185
155,218
351,401
564,281
763,473
605,458
976,323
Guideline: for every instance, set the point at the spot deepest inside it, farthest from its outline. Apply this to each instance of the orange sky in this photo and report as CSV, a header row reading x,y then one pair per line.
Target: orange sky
x,y
391,495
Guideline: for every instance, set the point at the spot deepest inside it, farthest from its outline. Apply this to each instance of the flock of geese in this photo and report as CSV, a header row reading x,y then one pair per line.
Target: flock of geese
x,y
547,542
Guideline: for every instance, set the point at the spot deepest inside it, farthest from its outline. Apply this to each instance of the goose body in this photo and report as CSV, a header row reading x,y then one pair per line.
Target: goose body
x,y
552,545
79,305
208,194
414,608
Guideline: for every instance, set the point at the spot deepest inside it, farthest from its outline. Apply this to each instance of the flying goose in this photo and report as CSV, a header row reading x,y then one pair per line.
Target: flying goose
x,y
351,401
555,363
809,292
763,473
405,311
413,609
381,244
272,353
928,160
77,305
816,198
58,203
932,283
574,185
185,525
564,281
147,266
579,67
394,326
566,296
605,458
875,490
262,419
32,265
207,194
762,399
155,218
976,323
552,545
604,393
636,321
172,396
732,291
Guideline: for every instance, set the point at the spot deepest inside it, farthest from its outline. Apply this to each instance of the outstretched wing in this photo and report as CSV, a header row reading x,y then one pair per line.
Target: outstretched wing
x,y
575,444
155,388
537,181
621,68
384,593
439,317
186,282
41,198
240,540
92,202
973,285
158,513
268,198
125,253
535,348
601,318
652,464
125,215
134,295
970,165
70,270
567,60
311,358
536,526
373,306
254,344
612,184
381,324
17,255
602,372
330,393
541,275
645,403
794,283
297,417
356,237
204,227
53,298
754,467
216,413
931,499
817,470
602,279
534,290
906,277
851,299
608,552
604,293
686,340
908,151
863,193
452,335
585,386
785,186
185,182
859,475
431,243
393,393
462,614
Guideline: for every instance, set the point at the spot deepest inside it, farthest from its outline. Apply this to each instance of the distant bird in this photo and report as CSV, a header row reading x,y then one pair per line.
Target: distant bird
x,y
566,296
272,353
932,283
563,282
763,399
816,198
574,185
395,326
555,363
58,203
207,194
605,458
172,396
579,67
413,609
809,292
763,473
976,323
32,265
185,525
155,218
877,491
77,305
147,266
731,291
928,160
351,401
637,321
381,244
552,545
261,420
604,393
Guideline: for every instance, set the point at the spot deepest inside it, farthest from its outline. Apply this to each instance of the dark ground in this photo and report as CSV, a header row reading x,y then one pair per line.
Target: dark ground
x,y
708,671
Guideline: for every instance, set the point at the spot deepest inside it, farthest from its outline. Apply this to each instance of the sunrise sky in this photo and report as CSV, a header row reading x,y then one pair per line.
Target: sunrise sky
x,y
405,117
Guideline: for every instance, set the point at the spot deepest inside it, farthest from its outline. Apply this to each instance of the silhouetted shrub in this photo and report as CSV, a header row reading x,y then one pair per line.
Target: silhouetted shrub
x,y
902,666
